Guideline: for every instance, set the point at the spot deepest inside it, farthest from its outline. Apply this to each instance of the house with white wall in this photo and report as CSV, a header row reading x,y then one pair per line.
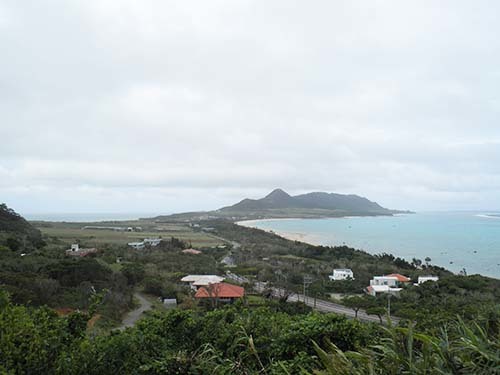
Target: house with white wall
x,y
387,284
76,250
152,241
197,281
424,279
373,290
341,274
136,245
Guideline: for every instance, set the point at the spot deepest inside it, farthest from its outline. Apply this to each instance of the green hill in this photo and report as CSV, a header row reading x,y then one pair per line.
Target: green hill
x,y
16,233
280,204
279,199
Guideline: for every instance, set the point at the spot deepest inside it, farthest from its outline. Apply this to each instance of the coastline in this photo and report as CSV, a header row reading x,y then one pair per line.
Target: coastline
x,y
475,252
292,236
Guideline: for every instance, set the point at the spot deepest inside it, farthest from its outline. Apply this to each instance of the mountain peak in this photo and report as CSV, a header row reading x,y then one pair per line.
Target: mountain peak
x,y
277,194
279,202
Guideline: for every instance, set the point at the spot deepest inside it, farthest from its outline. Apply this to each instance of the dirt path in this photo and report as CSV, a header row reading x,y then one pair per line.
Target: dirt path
x,y
134,315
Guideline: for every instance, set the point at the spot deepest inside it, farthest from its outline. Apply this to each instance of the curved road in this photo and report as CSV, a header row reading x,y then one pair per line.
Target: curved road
x,y
325,306
319,305
133,316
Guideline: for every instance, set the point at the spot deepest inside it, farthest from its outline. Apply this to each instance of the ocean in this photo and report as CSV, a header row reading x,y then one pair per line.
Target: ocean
x,y
453,240
86,217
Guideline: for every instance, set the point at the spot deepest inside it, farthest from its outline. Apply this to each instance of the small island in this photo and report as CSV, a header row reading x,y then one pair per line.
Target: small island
x,y
280,205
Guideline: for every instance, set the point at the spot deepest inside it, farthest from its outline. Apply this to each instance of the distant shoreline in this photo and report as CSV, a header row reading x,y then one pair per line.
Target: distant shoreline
x,y
408,238
292,236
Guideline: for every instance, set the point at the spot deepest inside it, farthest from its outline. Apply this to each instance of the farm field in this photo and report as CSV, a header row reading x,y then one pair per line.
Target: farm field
x,y
70,232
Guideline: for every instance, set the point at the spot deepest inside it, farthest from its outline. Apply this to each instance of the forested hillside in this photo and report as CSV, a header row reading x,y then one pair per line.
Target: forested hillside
x,y
16,233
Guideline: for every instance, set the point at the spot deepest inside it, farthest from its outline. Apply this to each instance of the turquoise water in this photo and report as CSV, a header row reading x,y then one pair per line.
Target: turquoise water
x,y
454,240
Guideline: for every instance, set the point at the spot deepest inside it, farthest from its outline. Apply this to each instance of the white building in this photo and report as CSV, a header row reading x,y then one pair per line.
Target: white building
x,y
152,241
341,274
423,279
373,290
387,284
147,241
196,281
394,279
76,250
390,281
170,303
136,245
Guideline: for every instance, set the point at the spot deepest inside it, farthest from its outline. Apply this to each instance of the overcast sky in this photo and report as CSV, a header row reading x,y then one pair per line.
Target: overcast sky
x,y
162,106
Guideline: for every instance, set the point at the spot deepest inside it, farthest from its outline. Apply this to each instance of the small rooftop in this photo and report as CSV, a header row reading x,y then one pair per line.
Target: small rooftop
x,y
203,281
211,279
400,278
220,290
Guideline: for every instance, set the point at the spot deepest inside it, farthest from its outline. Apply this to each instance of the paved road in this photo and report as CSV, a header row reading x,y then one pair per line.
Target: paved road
x,y
320,305
134,315
324,306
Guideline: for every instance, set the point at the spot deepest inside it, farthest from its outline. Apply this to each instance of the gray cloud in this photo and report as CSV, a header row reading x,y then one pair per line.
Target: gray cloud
x,y
165,106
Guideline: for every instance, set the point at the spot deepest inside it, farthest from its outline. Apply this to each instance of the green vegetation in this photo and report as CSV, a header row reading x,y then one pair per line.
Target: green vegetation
x,y
16,234
39,273
448,327
459,348
240,340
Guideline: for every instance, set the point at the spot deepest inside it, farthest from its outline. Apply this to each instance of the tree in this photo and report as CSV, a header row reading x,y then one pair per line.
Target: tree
x,y
13,243
134,272
427,261
416,262
379,311
356,303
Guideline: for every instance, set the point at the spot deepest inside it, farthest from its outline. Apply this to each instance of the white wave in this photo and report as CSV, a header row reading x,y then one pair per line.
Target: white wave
x,y
489,216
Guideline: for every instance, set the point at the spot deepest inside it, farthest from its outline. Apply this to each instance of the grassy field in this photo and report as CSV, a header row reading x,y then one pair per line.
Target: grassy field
x,y
70,232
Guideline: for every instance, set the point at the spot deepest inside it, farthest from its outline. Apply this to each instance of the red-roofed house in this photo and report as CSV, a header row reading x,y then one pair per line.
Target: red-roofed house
x,y
221,292
387,284
400,278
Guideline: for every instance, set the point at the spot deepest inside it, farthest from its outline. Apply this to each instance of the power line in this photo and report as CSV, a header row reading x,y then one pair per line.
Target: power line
x,y
307,281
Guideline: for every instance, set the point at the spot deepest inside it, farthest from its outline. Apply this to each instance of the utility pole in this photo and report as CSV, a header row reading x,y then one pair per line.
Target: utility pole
x,y
389,304
307,282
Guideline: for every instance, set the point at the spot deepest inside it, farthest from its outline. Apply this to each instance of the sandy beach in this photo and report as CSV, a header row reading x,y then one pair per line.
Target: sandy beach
x,y
292,236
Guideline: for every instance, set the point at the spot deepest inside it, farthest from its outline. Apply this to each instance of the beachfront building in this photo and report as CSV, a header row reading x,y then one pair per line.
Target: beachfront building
x,y
341,274
197,281
424,279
